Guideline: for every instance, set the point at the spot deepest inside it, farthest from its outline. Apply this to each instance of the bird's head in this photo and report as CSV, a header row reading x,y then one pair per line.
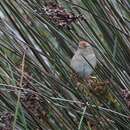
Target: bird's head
x,y
84,44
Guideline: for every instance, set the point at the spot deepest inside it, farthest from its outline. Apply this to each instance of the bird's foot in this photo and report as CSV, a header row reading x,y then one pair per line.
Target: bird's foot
x,y
91,79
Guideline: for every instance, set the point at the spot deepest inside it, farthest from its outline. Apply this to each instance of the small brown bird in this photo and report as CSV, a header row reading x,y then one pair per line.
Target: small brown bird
x,y
84,60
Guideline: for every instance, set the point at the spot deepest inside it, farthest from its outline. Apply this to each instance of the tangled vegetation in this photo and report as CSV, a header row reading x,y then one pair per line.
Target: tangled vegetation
x,y
38,88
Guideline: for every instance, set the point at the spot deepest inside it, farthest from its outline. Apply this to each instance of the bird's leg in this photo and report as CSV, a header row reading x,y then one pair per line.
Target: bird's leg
x,y
91,79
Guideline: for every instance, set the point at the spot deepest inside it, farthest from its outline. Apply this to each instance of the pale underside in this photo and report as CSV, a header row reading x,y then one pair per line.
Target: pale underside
x,y
80,61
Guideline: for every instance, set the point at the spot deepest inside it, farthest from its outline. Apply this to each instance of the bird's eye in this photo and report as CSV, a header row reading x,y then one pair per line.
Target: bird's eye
x,y
85,46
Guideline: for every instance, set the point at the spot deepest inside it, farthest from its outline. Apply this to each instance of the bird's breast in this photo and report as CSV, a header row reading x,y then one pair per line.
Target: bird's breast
x,y
84,64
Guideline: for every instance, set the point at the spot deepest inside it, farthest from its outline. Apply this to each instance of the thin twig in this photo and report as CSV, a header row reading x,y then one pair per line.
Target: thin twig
x,y
94,106
19,94
81,120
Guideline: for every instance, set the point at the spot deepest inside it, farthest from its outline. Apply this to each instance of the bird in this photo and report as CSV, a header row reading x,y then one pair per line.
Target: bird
x,y
84,60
